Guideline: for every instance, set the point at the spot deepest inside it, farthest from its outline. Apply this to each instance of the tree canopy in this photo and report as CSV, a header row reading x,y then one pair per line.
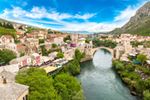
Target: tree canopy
x,y
78,55
106,43
141,58
41,41
67,38
146,95
68,87
60,55
73,67
43,87
54,45
6,25
43,49
6,56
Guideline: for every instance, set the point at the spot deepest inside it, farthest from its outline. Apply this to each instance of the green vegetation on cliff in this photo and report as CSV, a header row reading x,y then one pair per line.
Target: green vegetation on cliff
x,y
140,27
7,31
6,28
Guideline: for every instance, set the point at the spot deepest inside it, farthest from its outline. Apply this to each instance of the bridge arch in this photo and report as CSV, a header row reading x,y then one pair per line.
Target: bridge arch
x,y
106,48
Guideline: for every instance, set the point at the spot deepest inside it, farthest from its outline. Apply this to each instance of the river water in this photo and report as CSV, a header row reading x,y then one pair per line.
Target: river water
x,y
100,82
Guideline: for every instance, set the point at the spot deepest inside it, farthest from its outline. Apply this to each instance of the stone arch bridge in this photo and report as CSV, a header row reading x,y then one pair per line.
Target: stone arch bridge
x,y
91,51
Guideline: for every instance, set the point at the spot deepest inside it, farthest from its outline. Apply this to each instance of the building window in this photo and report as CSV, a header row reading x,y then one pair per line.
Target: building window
x,y
25,97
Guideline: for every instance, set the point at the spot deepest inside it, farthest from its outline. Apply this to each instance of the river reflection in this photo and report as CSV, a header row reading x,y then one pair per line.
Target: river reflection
x,y
100,82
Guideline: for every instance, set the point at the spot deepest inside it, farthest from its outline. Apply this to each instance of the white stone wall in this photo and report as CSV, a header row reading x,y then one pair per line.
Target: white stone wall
x,y
13,68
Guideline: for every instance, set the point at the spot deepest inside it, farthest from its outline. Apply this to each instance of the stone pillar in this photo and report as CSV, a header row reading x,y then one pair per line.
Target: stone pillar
x,y
117,54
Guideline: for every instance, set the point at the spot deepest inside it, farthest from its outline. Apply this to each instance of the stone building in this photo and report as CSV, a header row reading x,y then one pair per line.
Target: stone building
x,y
9,90
7,42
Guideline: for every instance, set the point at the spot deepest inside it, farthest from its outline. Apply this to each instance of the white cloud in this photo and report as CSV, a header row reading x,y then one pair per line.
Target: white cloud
x,y
85,16
57,16
130,11
89,26
41,12
4,14
36,14
17,12
125,15
118,21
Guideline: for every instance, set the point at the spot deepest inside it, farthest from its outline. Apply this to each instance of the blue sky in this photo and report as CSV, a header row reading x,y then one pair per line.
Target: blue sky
x,y
71,15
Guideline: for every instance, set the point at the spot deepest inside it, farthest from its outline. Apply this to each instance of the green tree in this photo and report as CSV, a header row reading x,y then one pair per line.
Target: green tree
x,y
1,24
87,40
67,38
106,43
136,43
30,29
7,25
119,66
60,55
96,42
43,87
62,90
78,55
146,95
41,41
142,58
40,85
73,67
71,87
22,54
54,45
6,56
44,51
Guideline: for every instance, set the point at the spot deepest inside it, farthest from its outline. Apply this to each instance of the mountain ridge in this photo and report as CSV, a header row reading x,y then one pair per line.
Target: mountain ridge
x,y
138,24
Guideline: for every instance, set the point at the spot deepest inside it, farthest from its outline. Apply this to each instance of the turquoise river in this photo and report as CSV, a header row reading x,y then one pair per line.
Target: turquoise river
x,y
99,80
